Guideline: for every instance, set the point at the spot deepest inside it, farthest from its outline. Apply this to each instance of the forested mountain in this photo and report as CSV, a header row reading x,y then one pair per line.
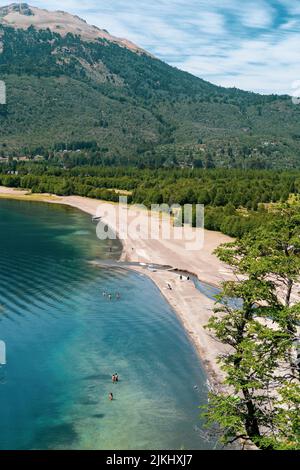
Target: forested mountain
x,y
79,89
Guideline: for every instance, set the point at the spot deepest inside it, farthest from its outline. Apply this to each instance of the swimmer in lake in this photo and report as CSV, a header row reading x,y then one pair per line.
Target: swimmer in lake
x,y
110,396
115,378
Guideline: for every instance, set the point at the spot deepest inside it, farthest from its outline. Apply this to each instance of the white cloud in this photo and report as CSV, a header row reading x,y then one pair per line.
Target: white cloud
x,y
292,6
256,65
208,22
254,17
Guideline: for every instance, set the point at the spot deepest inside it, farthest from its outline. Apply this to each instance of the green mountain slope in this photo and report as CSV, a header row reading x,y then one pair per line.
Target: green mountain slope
x,y
65,92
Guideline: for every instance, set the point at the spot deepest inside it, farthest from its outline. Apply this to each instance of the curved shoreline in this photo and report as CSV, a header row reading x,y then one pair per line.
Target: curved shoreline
x,y
191,306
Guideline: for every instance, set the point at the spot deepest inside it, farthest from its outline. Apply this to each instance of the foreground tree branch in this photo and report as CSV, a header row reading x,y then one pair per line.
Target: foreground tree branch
x,y
262,372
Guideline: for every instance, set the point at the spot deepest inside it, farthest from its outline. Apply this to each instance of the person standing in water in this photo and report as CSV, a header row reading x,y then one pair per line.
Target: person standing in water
x,y
115,378
110,396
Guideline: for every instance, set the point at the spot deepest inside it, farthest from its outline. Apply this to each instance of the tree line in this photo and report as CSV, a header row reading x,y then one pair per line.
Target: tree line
x,y
236,201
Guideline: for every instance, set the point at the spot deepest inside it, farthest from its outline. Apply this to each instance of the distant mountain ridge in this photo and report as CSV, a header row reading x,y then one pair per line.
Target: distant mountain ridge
x,y
22,15
72,86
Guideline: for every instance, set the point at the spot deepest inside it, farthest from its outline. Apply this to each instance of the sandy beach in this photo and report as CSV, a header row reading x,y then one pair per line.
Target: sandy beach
x,y
192,307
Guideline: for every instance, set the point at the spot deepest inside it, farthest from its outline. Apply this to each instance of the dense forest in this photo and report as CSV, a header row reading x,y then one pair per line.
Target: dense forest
x,y
62,91
236,200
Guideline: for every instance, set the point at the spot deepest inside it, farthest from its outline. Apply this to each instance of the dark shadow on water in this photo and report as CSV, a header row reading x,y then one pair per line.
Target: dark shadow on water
x,y
98,416
62,435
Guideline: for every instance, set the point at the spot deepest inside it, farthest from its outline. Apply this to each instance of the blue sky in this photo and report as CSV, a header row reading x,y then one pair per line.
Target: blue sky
x,y
250,44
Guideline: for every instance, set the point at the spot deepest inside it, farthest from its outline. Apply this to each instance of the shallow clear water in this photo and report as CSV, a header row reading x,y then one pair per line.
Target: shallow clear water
x,y
64,340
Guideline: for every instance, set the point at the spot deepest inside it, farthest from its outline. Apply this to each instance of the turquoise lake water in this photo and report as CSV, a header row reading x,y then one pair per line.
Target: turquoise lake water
x,y
64,340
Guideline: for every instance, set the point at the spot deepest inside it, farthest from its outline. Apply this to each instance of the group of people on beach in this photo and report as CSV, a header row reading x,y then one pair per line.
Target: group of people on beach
x,y
110,296
114,379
